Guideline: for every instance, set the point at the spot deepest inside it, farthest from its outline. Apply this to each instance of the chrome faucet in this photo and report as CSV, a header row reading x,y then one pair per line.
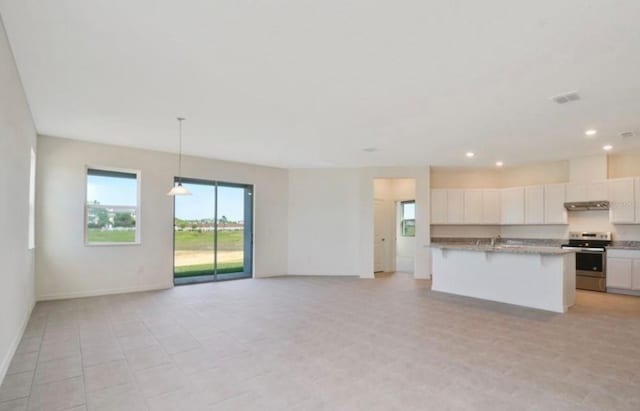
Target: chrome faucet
x,y
494,240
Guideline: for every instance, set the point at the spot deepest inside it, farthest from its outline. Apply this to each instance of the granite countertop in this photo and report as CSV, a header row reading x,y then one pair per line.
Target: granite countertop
x,y
624,245
503,248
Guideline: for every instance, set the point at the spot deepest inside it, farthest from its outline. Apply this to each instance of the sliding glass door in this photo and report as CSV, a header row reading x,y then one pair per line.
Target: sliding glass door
x,y
213,232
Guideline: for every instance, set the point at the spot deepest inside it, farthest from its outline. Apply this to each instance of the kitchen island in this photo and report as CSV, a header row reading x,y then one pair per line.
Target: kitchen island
x,y
535,277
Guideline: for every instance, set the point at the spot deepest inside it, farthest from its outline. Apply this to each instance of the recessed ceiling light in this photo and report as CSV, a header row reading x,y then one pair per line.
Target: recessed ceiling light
x,y
499,163
591,132
470,154
608,147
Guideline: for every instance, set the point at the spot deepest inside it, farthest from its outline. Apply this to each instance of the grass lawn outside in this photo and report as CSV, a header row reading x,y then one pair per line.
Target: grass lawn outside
x,y
96,235
207,269
185,241
194,240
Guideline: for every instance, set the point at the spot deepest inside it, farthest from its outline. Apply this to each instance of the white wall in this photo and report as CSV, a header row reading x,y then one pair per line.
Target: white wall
x,y
323,222
17,137
65,267
331,227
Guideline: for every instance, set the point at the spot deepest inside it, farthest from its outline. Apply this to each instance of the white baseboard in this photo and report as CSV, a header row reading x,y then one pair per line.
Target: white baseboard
x,y
95,293
623,292
6,361
322,275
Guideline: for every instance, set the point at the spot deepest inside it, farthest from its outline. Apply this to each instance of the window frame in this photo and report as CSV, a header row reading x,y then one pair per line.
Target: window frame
x,y
402,219
138,207
31,240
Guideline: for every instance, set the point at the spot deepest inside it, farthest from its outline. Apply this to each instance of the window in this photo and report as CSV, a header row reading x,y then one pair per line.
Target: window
x,y
111,212
408,218
32,201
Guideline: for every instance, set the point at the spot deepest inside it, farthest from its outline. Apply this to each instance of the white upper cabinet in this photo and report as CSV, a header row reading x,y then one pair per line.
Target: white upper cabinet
x,y
622,198
439,206
637,200
593,191
473,206
540,204
576,192
455,206
512,205
534,204
554,199
491,207
598,191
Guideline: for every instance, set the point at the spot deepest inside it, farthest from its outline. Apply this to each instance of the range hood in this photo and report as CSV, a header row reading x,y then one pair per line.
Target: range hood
x,y
587,205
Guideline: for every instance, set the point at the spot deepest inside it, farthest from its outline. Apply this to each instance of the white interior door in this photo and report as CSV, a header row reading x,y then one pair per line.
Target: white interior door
x,y
380,236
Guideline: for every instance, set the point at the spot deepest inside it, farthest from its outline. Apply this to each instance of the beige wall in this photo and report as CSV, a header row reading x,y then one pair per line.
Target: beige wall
x,y
65,267
532,174
529,174
450,177
624,164
17,137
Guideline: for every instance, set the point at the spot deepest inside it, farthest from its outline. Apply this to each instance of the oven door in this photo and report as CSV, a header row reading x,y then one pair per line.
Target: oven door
x,y
590,263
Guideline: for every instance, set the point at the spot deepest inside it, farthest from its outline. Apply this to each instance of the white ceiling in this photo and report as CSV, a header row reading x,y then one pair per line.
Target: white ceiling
x,y
300,83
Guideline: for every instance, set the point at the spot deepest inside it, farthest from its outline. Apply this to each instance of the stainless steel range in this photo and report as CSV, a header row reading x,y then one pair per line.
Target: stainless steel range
x,y
591,259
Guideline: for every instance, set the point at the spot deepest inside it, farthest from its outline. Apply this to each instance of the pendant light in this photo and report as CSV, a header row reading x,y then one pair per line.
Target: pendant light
x,y
178,189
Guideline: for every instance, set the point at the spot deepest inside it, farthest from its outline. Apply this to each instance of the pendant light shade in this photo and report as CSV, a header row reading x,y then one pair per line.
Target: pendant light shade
x,y
178,189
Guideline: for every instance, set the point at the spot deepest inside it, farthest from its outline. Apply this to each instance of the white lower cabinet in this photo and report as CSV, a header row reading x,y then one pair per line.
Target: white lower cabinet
x,y
635,275
623,269
619,272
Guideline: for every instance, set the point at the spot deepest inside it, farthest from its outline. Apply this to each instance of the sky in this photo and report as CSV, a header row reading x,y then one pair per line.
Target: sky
x,y
112,190
409,211
199,205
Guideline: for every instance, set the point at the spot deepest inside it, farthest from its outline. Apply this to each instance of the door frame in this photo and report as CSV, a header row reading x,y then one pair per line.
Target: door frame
x,y
249,218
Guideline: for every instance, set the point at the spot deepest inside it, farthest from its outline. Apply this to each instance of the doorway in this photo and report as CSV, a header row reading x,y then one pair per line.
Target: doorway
x,y
394,225
213,232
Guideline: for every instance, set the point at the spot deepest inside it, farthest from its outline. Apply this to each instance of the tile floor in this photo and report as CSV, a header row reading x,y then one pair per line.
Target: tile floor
x,y
324,343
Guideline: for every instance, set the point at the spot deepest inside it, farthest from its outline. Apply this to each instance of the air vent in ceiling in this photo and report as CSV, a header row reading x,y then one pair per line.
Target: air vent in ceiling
x,y
628,134
566,97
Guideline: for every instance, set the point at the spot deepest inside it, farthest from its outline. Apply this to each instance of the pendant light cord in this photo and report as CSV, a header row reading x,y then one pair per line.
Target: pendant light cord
x,y
180,120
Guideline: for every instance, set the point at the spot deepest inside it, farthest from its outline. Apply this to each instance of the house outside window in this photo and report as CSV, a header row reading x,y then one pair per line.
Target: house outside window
x,y
408,218
112,207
